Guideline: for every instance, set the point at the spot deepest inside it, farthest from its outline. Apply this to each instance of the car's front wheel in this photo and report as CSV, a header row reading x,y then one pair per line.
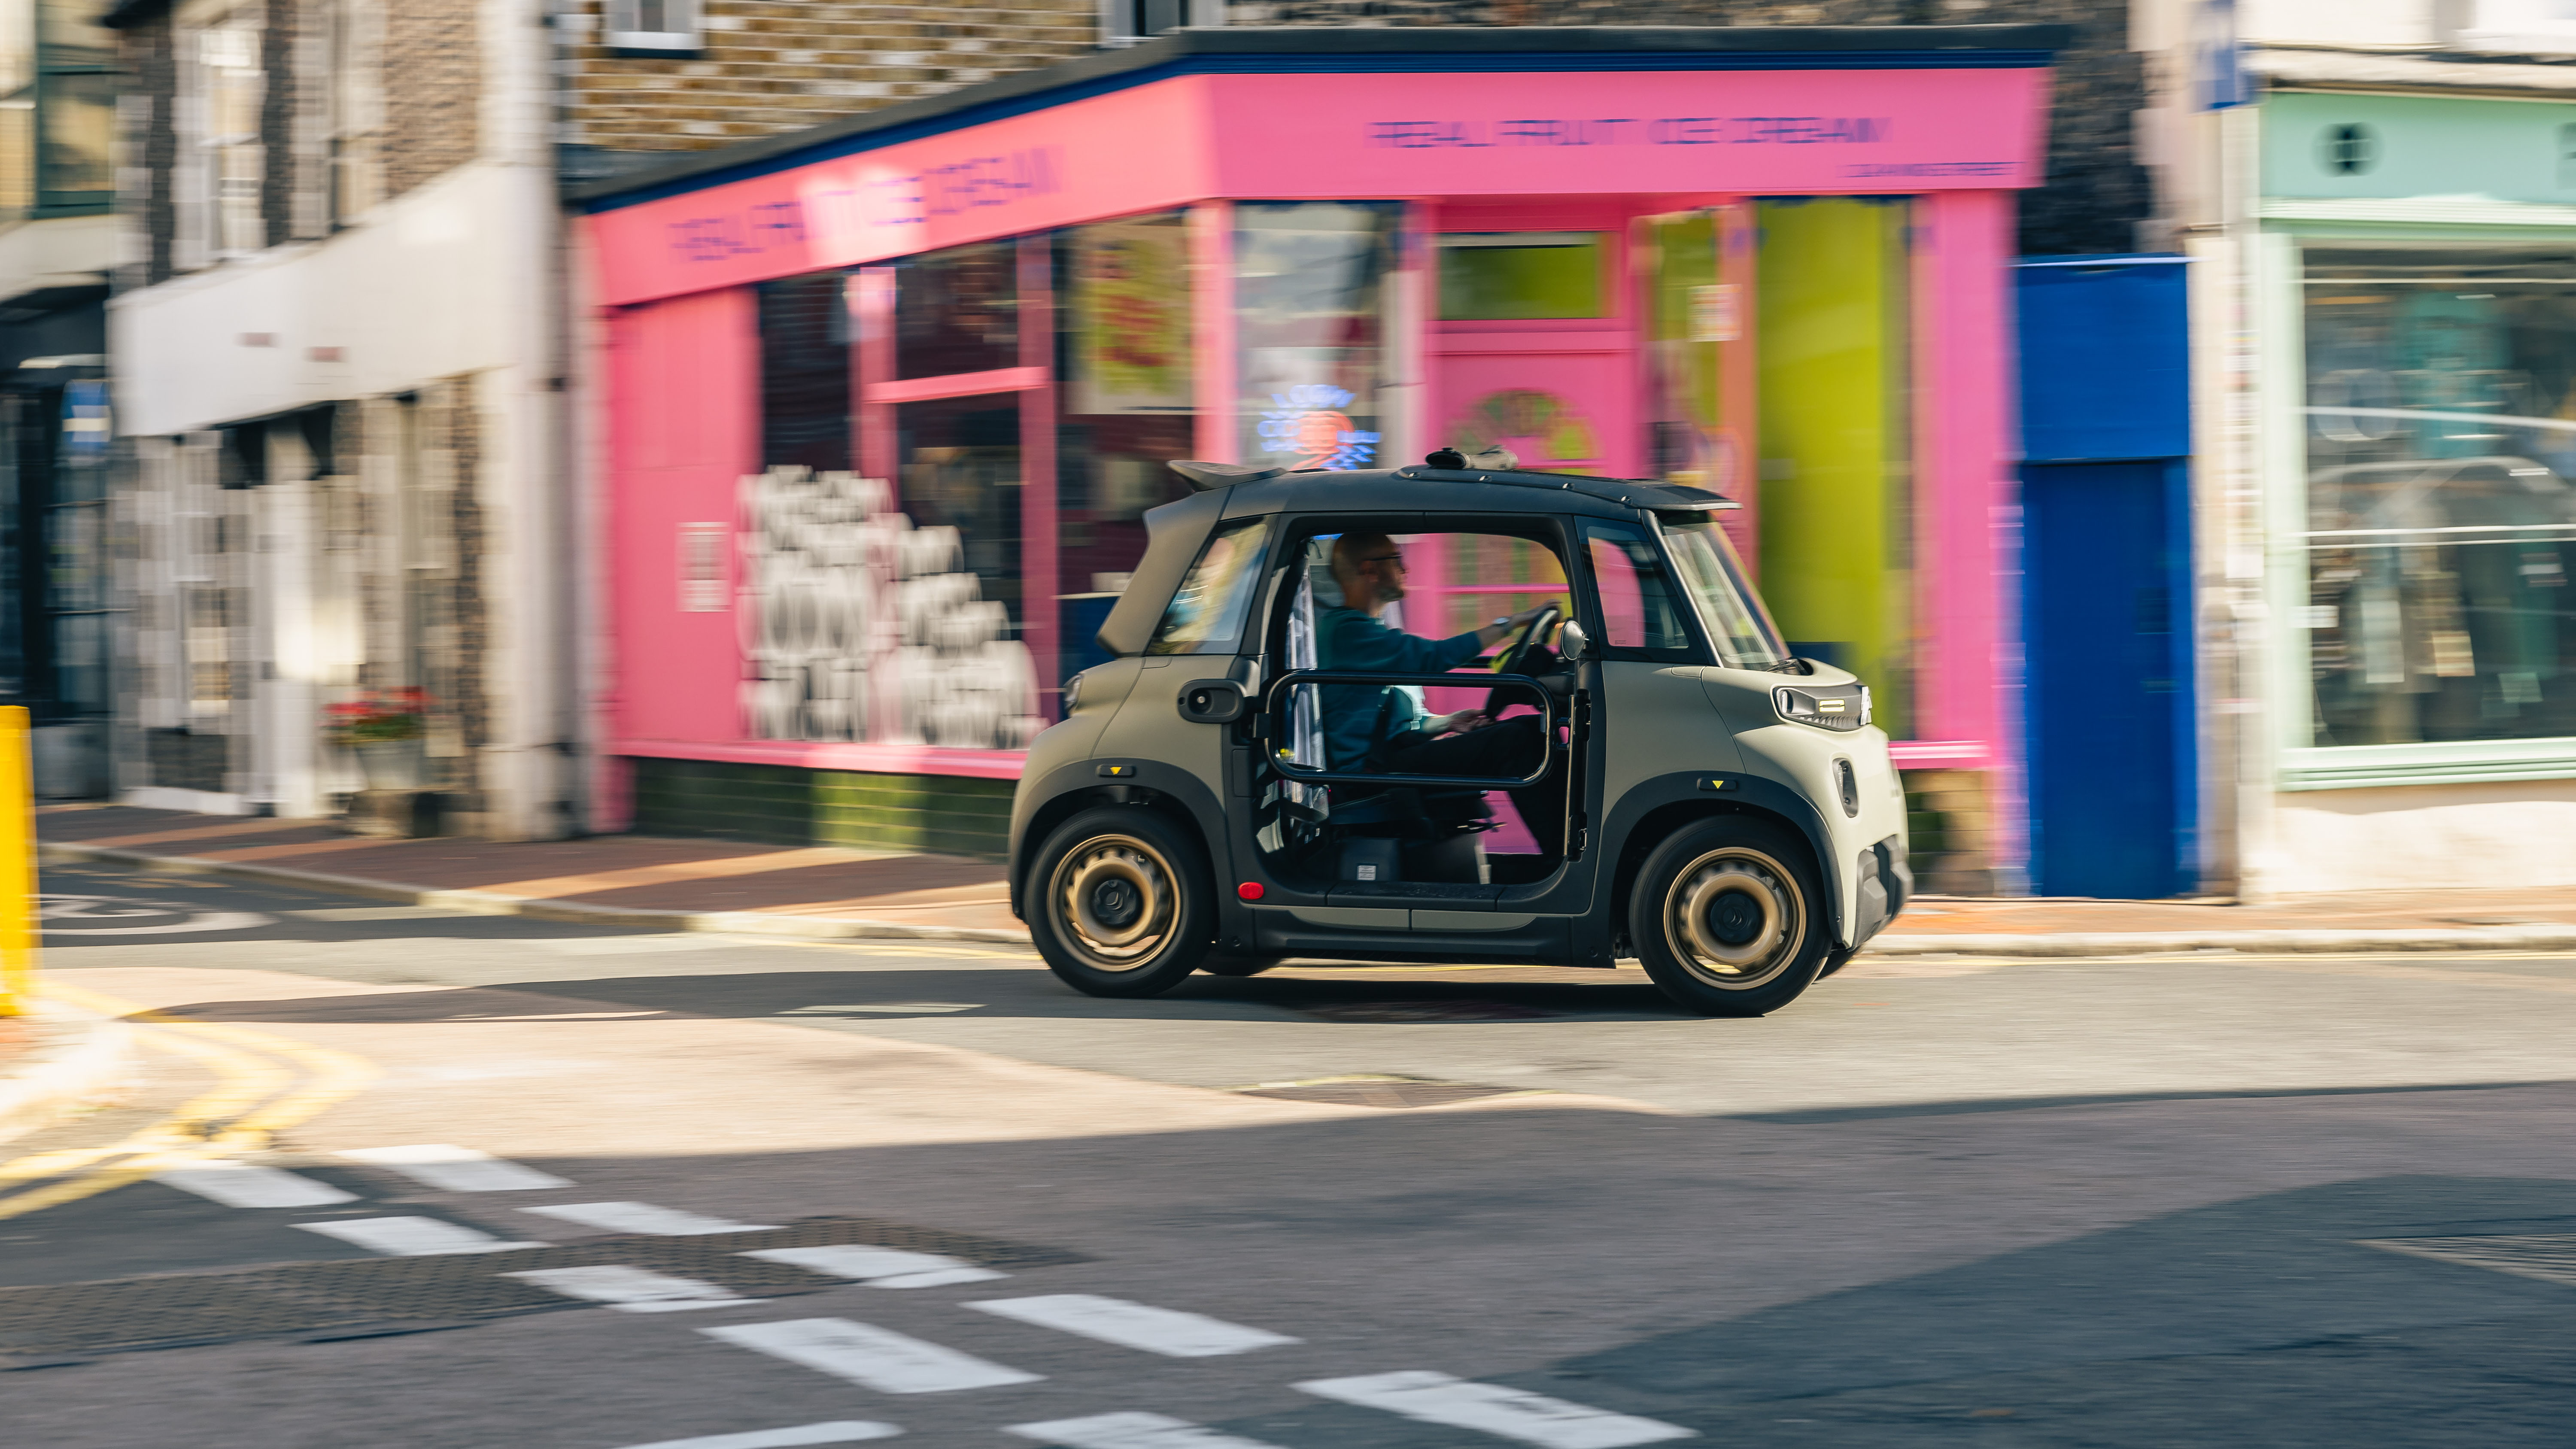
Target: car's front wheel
x,y
1728,918
1123,904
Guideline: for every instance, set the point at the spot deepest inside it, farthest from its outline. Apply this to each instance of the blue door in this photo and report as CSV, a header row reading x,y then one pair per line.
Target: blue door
x,y
2106,617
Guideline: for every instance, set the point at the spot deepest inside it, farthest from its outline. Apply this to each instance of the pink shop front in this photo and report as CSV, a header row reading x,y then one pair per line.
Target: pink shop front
x,y
885,402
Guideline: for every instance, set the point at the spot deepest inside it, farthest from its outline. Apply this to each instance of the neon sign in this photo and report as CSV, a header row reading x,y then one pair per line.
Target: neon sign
x,y
1307,423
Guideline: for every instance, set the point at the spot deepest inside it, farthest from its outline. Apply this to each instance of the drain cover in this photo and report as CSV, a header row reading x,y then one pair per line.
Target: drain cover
x,y
1379,1092
354,1298
2549,1257
1425,1011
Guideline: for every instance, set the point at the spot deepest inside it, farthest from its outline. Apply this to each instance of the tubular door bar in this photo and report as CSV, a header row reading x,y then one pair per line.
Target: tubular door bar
x,y
1274,697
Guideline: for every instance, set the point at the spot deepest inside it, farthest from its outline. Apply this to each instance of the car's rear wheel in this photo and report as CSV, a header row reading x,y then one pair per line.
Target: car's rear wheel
x,y
1728,917
1123,904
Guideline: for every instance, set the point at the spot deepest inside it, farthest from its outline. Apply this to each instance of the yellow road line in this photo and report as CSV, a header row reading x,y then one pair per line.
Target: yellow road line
x,y
254,1097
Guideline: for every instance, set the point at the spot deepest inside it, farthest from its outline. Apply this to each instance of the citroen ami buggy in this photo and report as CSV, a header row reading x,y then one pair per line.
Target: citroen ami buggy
x,y
1242,784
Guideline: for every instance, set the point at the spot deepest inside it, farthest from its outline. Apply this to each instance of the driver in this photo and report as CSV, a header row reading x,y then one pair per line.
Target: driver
x,y
1381,727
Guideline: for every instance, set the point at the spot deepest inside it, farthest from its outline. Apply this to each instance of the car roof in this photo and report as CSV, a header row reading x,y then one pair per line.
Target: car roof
x,y
1423,489
1176,531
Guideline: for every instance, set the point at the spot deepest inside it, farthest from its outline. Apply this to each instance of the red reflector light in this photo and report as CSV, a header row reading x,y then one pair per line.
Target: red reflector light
x,y
1250,890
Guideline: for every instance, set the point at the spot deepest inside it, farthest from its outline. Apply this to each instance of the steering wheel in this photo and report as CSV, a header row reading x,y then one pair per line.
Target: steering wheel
x,y
1511,659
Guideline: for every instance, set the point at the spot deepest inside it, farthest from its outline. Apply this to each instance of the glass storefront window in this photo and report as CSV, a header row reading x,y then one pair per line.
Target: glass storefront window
x,y
1836,515
2441,441
959,467
805,372
1126,406
1310,314
957,310
1515,275
1699,353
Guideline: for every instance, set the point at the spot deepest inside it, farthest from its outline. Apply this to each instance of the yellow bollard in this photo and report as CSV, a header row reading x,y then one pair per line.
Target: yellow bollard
x,y
17,864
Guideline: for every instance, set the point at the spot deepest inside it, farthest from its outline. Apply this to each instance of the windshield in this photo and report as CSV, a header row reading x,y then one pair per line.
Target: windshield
x,y
1714,577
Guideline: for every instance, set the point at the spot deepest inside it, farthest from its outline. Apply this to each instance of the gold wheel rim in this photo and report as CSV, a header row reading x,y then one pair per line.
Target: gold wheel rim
x,y
1735,918
1114,902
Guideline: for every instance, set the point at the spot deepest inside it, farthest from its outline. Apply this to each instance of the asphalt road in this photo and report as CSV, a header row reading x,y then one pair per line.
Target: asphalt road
x,y
2213,1200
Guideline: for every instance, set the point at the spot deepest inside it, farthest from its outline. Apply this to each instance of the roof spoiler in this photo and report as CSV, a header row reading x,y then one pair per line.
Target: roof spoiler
x,y
1206,477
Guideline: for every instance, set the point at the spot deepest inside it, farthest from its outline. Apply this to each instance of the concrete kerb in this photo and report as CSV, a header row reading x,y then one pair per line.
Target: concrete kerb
x,y
499,903
842,928
2288,943
64,1077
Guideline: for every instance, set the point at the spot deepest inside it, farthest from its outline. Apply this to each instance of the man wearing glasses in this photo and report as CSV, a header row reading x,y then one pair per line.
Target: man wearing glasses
x,y
1383,727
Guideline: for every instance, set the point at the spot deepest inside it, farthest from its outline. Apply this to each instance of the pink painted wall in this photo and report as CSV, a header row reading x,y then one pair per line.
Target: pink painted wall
x,y
1965,439
684,426
1340,136
683,415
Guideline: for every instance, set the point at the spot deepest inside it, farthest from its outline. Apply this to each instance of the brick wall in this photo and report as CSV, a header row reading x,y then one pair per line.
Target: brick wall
x,y
784,65
433,89
149,148
2096,193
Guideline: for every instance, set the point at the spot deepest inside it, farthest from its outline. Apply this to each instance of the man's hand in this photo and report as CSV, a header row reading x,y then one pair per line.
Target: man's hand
x,y
1459,723
1493,634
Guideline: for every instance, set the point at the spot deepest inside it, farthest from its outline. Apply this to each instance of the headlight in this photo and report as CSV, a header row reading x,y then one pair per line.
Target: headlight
x,y
1831,707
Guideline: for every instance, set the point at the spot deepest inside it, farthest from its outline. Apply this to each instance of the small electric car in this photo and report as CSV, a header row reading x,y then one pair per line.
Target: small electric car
x,y
1239,785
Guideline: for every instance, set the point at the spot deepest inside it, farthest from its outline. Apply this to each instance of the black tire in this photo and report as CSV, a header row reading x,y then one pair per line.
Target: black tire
x,y
1728,917
1120,902
1223,963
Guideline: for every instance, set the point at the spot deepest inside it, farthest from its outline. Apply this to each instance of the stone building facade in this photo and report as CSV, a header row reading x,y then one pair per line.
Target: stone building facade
x,y
338,407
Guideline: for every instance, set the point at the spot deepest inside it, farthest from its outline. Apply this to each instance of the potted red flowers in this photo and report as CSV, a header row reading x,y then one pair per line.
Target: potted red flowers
x,y
385,727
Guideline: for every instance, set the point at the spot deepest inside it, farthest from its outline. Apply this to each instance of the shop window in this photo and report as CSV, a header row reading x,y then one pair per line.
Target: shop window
x,y
957,311
1836,513
805,372
2441,513
959,465
1126,407
1510,275
1698,341
1310,303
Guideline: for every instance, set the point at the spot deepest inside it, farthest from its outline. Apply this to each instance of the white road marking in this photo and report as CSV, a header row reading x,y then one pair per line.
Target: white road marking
x,y
871,1357
1166,1331
53,909
1435,1398
880,1267
240,1185
411,1237
643,1217
634,1290
1127,1431
839,1431
456,1169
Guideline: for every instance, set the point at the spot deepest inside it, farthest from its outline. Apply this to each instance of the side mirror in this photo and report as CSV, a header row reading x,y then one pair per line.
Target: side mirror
x,y
1572,644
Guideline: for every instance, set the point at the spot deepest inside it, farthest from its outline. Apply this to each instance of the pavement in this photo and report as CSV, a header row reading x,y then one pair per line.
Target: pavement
x,y
474,1179
826,893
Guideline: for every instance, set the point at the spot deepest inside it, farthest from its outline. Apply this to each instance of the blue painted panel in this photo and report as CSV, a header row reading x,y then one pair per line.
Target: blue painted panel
x,y
2106,614
2105,358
